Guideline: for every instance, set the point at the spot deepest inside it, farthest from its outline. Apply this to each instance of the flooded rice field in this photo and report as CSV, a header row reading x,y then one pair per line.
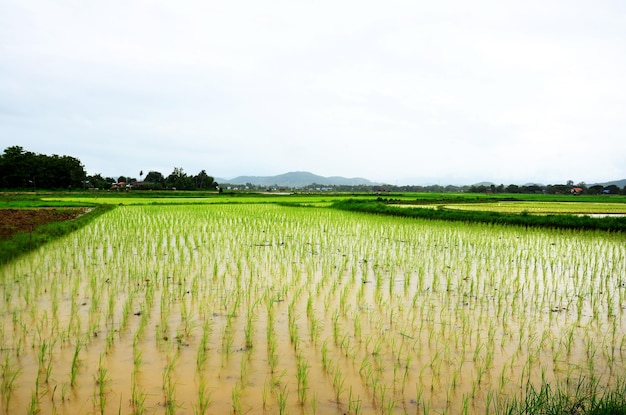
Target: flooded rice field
x,y
271,309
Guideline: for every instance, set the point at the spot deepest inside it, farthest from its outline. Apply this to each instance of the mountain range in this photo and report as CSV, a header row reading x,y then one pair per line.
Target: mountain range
x,y
302,179
618,183
296,179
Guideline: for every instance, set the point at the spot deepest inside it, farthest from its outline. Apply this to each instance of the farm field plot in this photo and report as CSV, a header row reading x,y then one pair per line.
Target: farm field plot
x,y
316,200
574,208
242,308
24,220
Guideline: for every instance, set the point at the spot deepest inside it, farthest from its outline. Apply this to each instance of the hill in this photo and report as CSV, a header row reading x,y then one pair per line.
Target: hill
x,y
618,183
296,179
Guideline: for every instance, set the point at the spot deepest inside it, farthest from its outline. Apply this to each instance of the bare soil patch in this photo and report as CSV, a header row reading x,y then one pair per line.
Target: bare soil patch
x,y
13,221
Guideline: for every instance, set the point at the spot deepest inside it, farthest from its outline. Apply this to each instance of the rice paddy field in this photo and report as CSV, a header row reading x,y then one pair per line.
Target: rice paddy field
x,y
572,208
262,308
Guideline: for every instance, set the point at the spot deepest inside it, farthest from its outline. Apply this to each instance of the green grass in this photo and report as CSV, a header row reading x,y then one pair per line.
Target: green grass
x,y
585,398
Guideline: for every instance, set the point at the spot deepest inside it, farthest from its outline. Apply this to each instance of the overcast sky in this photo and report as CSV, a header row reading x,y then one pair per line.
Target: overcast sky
x,y
394,91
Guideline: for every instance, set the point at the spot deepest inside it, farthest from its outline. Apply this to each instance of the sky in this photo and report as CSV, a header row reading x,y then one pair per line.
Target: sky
x,y
401,92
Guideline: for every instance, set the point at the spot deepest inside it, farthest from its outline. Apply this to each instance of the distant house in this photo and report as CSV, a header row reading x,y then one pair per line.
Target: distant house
x,y
121,185
576,190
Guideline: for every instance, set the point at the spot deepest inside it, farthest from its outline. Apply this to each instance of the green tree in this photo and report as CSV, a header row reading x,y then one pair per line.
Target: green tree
x,y
512,188
179,180
595,190
557,189
613,189
99,182
204,182
16,168
154,180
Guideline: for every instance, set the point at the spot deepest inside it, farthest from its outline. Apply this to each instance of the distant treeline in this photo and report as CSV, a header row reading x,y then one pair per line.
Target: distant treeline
x,y
550,189
154,180
616,224
25,170
553,189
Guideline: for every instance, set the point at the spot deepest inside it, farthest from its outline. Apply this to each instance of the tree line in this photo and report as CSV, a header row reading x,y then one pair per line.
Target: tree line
x,y
552,189
177,180
20,169
26,170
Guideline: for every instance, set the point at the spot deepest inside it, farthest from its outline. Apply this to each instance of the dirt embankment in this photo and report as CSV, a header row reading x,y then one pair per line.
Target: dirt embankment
x,y
25,220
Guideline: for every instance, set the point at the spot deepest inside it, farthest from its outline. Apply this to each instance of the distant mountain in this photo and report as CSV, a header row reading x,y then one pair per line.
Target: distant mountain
x,y
618,183
295,180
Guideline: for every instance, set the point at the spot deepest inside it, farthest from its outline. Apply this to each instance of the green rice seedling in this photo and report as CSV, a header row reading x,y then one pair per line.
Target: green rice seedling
x,y
137,396
339,381
282,396
227,341
9,376
243,370
201,356
358,330
249,328
101,385
325,357
302,375
187,322
137,358
265,393
272,343
389,404
169,385
236,398
314,329
126,313
75,363
272,355
169,392
41,357
34,407
48,370
110,340
336,327
111,309
354,404
293,328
